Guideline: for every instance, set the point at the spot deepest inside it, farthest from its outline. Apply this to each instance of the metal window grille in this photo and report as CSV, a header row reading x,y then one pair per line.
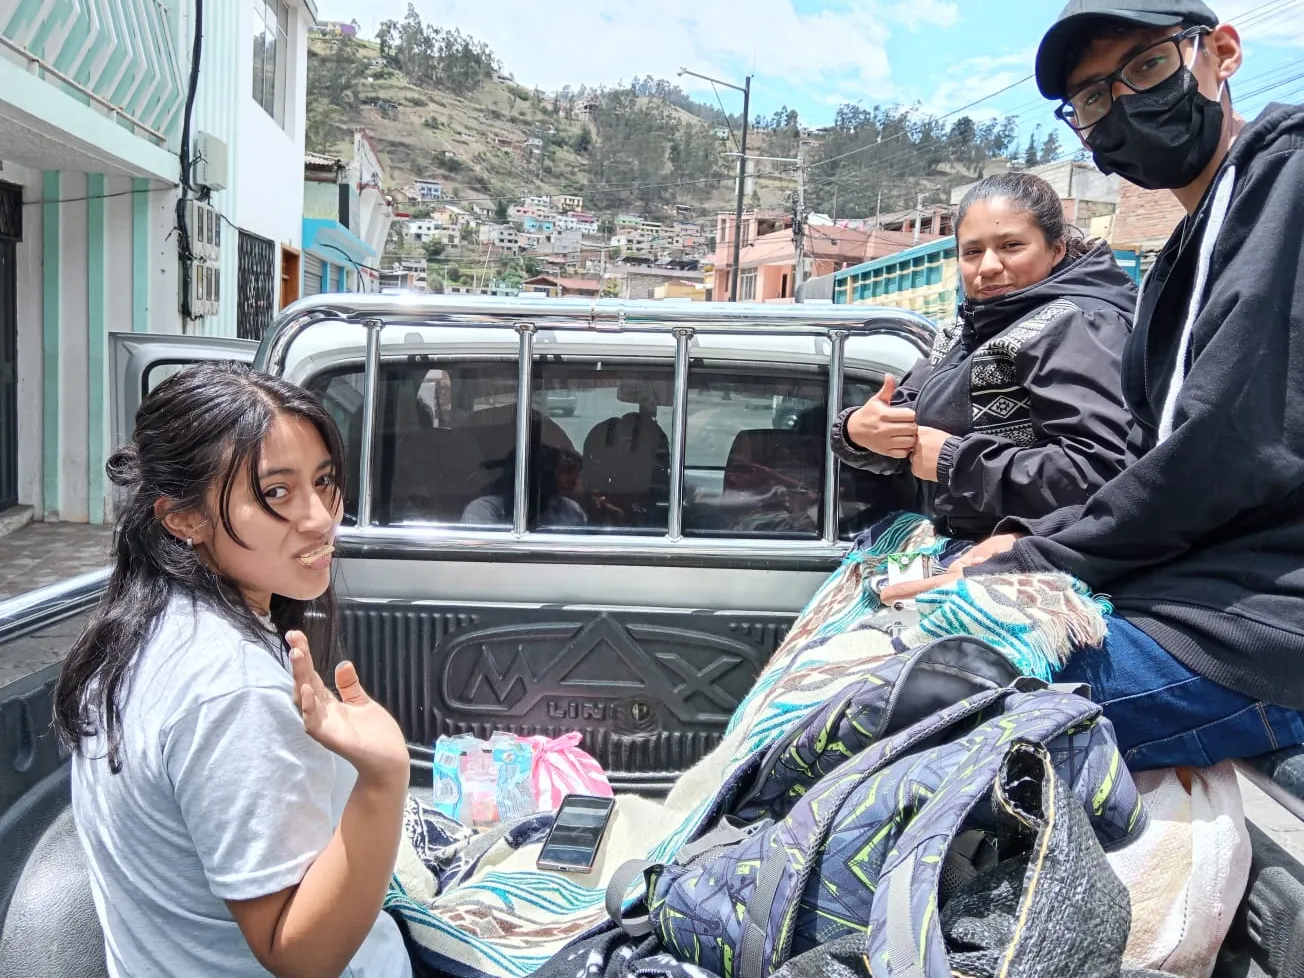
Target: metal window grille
x,y
257,286
11,212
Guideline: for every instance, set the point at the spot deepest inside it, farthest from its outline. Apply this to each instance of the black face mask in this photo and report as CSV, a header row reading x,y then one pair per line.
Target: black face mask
x,y
1161,139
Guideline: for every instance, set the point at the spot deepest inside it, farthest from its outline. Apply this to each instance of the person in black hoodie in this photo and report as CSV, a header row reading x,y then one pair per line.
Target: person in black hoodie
x,y
1018,410
1199,542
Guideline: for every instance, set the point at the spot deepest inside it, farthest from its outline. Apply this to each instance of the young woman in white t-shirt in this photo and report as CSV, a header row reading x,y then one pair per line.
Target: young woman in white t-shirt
x,y
238,817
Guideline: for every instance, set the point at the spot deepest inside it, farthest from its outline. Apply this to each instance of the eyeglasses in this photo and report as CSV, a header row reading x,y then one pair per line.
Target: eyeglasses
x,y
1143,71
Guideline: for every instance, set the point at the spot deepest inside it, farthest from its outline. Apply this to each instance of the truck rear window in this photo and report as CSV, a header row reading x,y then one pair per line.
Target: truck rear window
x,y
600,448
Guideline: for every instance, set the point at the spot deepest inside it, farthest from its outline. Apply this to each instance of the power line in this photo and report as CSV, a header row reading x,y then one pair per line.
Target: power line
x,y
963,108
727,120
1022,118
1265,15
79,200
1262,15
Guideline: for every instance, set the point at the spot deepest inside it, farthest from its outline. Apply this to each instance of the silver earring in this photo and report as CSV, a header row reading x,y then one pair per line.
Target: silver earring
x,y
190,542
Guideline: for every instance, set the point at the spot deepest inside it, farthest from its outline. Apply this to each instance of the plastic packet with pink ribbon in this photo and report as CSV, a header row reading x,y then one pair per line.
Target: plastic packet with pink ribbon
x,y
562,767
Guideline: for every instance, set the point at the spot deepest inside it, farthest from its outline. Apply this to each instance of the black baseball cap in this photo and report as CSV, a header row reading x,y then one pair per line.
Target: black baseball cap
x,y
1052,72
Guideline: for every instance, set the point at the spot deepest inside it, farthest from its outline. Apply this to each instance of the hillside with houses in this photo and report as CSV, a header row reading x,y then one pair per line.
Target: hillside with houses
x,y
495,183
482,136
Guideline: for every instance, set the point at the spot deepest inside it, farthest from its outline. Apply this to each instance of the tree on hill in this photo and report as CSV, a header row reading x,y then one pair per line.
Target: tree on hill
x,y
435,57
659,88
335,73
882,157
1051,149
641,151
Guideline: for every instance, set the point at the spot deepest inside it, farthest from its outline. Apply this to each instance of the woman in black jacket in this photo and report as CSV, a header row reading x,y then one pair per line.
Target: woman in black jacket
x,y
1018,410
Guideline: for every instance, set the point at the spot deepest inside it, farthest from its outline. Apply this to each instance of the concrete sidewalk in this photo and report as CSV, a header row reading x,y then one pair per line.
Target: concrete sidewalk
x,y
33,556
42,553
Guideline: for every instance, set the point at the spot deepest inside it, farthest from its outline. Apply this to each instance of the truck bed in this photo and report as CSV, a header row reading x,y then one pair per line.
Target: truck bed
x,y
48,927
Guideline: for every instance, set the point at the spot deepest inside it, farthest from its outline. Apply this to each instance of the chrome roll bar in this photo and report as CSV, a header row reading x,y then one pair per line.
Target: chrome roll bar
x,y
838,337
599,315
524,400
678,435
44,606
371,383
683,321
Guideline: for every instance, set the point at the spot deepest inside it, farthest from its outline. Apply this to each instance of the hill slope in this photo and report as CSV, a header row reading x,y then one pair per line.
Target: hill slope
x,y
438,106
473,141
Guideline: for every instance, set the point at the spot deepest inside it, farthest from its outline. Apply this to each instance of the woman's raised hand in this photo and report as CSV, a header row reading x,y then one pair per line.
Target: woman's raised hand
x,y
882,428
351,724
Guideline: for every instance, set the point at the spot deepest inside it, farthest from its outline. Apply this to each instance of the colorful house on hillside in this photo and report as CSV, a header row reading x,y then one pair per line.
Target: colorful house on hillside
x,y
555,286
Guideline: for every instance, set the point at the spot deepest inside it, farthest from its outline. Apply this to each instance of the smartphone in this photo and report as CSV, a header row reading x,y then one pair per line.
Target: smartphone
x,y
572,844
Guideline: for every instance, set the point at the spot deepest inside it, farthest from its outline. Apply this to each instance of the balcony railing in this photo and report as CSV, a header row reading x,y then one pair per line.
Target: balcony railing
x,y
118,54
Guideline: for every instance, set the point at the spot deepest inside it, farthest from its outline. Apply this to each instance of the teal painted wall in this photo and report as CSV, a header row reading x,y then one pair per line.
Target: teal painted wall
x,y
96,346
50,322
123,51
85,271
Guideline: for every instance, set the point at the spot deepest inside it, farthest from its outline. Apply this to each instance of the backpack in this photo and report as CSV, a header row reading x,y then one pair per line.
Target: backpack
x,y
915,751
1050,906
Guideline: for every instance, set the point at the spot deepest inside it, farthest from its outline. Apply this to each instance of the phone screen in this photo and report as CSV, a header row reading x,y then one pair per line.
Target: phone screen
x,y
572,845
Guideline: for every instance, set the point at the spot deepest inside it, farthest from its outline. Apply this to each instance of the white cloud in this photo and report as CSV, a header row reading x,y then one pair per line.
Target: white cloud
x,y
968,81
917,14
607,41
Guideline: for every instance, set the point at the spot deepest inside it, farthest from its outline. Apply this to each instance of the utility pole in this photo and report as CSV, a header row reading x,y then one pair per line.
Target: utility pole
x,y
919,213
919,210
746,89
799,208
742,186
799,221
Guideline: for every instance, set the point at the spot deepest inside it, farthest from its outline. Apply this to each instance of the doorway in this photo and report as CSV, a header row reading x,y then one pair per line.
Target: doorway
x,y
11,232
290,275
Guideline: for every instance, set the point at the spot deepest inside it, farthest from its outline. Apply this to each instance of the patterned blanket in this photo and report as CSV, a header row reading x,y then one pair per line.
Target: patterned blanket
x,y
475,905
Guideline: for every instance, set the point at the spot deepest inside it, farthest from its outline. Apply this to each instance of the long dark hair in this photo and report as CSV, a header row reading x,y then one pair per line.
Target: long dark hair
x,y
194,433
1030,193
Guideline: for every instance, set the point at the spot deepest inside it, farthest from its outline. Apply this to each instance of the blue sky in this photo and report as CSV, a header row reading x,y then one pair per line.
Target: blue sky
x,y
814,55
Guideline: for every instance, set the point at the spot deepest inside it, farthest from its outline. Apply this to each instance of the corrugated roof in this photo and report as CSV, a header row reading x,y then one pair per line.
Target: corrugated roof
x,y
320,161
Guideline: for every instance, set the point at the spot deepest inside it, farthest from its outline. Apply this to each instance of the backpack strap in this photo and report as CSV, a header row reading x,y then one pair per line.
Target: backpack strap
x,y
638,925
756,918
1031,684
728,833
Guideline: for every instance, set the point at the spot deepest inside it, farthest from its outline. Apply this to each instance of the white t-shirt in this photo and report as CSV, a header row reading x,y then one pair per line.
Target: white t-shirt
x,y
222,796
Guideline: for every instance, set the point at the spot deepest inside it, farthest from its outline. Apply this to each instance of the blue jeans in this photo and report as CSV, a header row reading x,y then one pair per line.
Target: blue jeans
x,y
1165,715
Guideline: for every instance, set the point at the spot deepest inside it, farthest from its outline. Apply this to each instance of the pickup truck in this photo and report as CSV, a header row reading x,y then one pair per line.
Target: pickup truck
x,y
623,571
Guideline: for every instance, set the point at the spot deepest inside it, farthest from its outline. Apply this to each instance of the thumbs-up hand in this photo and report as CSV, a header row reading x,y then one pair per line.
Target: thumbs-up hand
x,y
882,428
886,392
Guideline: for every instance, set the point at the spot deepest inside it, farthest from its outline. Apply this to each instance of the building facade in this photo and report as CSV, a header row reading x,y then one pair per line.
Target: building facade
x,y
1144,221
93,102
346,220
924,279
768,258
